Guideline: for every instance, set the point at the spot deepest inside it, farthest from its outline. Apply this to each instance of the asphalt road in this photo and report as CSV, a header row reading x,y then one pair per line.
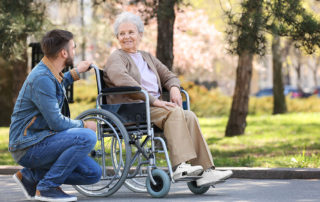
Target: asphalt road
x,y
233,190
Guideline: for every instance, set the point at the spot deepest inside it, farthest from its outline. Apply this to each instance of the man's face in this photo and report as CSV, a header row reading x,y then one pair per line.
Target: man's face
x,y
71,52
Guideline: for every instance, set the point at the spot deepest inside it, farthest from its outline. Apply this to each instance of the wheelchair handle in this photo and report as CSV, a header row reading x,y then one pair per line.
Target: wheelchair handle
x,y
93,66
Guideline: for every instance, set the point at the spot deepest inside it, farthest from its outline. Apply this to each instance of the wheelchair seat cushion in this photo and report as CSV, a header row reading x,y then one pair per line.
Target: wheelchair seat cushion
x,y
128,113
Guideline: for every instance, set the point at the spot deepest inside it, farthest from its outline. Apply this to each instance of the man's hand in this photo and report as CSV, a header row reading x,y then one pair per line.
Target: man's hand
x,y
175,96
163,104
83,66
91,125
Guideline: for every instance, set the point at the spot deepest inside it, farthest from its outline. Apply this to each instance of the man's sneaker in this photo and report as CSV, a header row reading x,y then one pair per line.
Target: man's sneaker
x,y
28,188
54,194
211,177
184,170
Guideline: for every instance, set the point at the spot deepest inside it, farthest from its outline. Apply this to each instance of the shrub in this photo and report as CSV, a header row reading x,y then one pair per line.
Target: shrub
x,y
204,102
208,103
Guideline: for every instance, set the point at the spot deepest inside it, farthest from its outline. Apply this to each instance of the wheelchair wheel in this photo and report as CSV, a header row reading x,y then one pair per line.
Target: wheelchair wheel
x,y
138,183
197,190
161,189
109,130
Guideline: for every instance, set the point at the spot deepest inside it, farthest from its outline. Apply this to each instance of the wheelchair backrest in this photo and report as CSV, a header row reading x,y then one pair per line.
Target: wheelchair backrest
x,y
100,81
126,112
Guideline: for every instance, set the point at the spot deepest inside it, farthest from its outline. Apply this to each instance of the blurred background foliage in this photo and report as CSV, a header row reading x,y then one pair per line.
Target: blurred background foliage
x,y
205,103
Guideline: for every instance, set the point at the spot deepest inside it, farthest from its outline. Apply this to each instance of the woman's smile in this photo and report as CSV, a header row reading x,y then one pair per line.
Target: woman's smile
x,y
128,37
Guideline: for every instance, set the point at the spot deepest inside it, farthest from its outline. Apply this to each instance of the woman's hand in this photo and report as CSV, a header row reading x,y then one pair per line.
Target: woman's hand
x,y
175,96
163,104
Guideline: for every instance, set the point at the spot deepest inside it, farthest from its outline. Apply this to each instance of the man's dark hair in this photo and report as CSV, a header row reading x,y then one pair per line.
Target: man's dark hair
x,y
54,41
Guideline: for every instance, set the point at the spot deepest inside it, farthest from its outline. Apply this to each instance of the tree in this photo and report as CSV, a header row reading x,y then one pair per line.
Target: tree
x,y
18,19
246,36
290,19
314,67
278,55
247,30
165,19
279,99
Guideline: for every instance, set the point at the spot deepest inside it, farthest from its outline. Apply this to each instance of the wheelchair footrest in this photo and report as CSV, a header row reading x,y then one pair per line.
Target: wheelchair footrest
x,y
188,178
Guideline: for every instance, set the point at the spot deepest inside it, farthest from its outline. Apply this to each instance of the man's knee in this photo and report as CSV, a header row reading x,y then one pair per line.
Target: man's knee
x,y
95,175
88,137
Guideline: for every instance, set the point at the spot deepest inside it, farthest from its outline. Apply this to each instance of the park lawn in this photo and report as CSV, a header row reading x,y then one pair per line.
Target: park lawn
x,y
290,140
5,156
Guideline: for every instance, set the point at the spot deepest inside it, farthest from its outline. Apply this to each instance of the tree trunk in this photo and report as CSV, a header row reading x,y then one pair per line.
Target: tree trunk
x,y
315,71
315,78
6,84
239,110
84,40
13,76
279,99
298,70
165,19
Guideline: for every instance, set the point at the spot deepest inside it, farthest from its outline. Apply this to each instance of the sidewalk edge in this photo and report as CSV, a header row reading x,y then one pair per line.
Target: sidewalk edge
x,y
238,172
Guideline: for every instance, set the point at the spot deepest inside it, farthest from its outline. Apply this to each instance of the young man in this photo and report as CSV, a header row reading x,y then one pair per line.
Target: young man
x,y
52,148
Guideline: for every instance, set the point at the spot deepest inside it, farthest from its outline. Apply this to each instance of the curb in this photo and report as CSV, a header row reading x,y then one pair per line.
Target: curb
x,y
9,170
274,173
238,172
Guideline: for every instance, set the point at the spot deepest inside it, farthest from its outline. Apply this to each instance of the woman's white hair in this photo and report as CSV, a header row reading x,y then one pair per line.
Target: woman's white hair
x,y
128,17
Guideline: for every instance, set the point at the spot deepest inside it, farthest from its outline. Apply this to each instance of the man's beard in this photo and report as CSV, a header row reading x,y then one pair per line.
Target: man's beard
x,y
69,61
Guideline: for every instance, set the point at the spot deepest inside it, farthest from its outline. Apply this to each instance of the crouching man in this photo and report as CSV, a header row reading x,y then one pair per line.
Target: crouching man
x,y
52,148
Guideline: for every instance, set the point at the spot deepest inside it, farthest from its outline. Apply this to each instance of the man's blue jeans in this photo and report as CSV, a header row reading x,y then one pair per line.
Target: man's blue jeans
x,y
62,159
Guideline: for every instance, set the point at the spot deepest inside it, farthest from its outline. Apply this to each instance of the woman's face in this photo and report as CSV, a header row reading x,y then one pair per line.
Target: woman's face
x,y
129,37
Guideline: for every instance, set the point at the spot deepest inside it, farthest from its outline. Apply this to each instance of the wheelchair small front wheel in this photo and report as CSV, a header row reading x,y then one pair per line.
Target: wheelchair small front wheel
x,y
197,190
161,189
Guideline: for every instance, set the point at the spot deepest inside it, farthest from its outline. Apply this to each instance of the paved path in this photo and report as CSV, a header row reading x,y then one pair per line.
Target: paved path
x,y
233,190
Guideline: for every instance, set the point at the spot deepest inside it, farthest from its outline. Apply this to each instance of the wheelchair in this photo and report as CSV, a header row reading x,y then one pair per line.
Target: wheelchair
x,y
126,146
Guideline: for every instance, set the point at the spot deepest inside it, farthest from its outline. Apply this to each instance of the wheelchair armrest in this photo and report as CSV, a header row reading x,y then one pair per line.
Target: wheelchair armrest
x,y
166,91
121,89
186,103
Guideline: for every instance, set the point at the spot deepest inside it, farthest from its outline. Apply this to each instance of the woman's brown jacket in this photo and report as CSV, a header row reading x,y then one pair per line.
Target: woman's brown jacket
x,y
121,70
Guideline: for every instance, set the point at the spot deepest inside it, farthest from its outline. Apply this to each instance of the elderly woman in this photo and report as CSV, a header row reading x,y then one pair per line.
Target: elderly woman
x,y
129,66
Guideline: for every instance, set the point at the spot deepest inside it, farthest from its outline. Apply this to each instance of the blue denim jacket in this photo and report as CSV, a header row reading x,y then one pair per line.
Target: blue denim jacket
x,y
37,111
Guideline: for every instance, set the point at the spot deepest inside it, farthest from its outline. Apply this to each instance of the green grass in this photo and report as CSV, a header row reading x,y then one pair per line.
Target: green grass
x,y
5,156
290,140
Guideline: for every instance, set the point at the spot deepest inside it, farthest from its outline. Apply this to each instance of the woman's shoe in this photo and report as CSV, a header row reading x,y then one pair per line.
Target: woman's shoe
x,y
212,177
184,170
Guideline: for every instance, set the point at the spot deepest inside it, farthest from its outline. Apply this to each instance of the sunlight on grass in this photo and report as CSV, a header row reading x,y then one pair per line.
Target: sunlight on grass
x,y
5,156
290,140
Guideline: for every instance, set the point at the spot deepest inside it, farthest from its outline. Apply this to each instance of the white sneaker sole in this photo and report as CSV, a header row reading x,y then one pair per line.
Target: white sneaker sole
x,y
42,198
214,182
17,180
184,174
211,183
